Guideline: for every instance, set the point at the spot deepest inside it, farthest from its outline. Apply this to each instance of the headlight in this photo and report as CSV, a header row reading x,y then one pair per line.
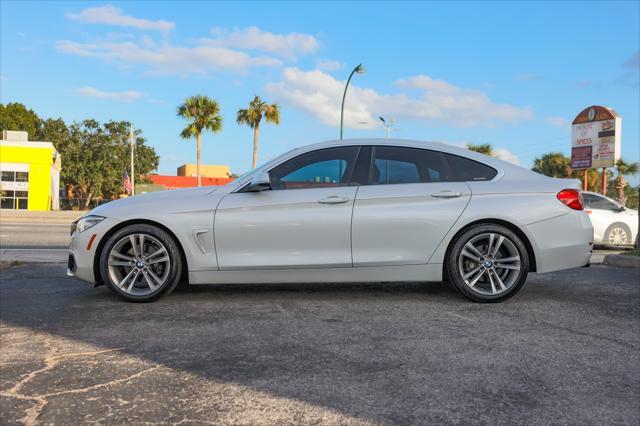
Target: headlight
x,y
85,223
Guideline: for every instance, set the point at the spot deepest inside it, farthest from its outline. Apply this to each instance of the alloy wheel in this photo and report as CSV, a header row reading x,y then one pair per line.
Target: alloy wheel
x,y
139,264
617,237
489,264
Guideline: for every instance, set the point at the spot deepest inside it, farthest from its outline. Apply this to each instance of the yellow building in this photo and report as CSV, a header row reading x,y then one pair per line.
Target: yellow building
x,y
206,170
30,173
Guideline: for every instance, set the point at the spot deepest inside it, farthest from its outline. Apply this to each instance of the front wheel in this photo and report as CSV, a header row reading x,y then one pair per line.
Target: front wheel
x,y
488,263
141,263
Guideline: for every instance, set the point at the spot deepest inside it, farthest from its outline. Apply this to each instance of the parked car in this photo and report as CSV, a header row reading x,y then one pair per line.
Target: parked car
x,y
613,224
343,211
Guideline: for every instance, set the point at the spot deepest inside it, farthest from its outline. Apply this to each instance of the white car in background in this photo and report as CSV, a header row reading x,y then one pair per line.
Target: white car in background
x,y
613,224
343,211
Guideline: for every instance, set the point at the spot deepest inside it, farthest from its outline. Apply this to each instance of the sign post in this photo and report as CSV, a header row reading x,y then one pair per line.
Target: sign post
x,y
595,141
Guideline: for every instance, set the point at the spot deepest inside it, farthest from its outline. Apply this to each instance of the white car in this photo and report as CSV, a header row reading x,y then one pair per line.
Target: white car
x,y
613,224
343,211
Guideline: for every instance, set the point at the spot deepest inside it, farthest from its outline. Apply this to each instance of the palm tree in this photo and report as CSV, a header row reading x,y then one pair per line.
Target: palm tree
x,y
623,169
252,117
203,114
484,148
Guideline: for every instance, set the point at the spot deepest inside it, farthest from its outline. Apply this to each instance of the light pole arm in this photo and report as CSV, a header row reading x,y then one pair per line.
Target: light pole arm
x,y
344,95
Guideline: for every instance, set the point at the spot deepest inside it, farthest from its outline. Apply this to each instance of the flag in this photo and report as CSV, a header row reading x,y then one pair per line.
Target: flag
x,y
127,182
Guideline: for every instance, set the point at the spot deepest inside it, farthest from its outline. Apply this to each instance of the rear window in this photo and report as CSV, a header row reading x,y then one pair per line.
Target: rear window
x,y
464,169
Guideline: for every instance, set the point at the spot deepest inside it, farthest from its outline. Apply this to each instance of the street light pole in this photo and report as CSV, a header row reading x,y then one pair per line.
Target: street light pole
x,y
360,70
388,125
131,138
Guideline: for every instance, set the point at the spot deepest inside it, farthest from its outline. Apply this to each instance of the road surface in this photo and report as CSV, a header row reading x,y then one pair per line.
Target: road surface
x,y
565,350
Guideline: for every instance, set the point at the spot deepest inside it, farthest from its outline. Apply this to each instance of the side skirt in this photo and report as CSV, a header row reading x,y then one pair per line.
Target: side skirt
x,y
404,273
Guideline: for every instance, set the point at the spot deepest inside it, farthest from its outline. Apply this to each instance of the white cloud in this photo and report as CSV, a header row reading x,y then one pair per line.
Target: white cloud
x,y
506,155
287,46
112,15
427,83
557,121
329,65
528,77
167,59
92,92
319,95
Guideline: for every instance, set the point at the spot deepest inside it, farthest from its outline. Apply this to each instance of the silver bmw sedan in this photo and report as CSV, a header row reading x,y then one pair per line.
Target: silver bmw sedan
x,y
364,210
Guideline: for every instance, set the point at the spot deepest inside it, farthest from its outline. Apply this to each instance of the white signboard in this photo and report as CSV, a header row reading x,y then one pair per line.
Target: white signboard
x,y
595,139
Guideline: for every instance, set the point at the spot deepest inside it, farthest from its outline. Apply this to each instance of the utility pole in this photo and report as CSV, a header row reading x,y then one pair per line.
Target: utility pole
x,y
131,141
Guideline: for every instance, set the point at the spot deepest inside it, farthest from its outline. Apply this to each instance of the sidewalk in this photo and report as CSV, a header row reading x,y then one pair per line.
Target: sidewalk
x,y
60,216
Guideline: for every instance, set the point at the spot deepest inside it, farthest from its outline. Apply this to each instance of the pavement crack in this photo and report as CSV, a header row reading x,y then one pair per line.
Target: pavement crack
x,y
32,413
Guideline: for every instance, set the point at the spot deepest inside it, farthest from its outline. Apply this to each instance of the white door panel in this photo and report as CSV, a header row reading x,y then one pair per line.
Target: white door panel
x,y
403,224
295,228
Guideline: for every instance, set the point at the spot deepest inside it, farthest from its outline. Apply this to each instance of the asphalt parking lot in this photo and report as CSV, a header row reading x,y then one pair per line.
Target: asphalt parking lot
x,y
564,350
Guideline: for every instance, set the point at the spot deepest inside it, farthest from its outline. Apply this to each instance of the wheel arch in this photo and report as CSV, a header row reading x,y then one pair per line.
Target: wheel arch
x,y
124,224
490,221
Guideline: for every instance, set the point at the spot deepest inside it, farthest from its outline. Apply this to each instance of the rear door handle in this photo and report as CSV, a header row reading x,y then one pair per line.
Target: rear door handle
x,y
446,194
333,200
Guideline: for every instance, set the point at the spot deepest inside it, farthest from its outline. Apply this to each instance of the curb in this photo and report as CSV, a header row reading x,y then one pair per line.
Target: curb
x,y
622,261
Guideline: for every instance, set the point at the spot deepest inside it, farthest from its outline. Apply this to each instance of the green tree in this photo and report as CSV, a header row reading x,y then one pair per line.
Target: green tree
x,y
203,114
623,169
54,131
96,156
553,164
252,117
484,148
15,116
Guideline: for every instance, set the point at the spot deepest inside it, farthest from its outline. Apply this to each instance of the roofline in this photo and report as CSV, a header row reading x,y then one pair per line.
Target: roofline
x,y
30,144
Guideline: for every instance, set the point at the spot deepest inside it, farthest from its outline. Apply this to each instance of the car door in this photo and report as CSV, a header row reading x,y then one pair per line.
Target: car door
x,y
412,199
303,221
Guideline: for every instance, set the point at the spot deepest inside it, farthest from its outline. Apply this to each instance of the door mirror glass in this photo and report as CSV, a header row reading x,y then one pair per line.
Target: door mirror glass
x,y
259,182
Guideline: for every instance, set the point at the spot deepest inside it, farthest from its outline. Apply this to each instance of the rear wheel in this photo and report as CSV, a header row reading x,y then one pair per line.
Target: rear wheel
x,y
141,263
488,263
618,234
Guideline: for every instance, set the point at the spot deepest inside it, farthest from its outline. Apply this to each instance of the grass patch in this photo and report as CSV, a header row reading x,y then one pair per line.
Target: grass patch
x,y
4,264
634,252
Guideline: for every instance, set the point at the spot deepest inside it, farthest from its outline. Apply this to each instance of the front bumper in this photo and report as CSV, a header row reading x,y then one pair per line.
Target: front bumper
x,y
82,250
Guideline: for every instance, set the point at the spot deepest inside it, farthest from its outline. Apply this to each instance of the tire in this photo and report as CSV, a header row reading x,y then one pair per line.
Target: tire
x,y
141,275
618,234
479,274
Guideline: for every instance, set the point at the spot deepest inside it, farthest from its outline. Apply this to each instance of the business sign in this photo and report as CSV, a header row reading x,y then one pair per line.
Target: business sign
x,y
14,186
595,138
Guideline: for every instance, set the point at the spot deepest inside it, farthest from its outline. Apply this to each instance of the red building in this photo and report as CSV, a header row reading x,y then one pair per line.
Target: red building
x,y
175,182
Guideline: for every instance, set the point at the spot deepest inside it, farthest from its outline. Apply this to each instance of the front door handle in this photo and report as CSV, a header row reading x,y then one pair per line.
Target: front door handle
x,y
446,194
333,200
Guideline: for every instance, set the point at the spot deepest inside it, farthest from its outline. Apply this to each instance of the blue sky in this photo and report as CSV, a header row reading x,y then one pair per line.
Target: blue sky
x,y
510,74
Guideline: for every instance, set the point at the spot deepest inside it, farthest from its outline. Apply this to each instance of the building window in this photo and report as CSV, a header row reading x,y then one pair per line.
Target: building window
x,y
14,190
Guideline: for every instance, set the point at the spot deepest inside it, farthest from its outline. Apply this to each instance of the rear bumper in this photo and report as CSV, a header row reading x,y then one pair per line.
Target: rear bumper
x,y
563,242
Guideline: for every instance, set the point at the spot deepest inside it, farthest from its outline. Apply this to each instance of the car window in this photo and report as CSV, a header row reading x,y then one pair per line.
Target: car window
x,y
317,169
394,165
463,169
599,203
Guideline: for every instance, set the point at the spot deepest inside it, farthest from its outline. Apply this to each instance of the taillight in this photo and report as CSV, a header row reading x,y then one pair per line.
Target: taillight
x,y
571,198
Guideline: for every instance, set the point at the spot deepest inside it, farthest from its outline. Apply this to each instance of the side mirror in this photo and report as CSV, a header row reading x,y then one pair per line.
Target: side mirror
x,y
260,182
